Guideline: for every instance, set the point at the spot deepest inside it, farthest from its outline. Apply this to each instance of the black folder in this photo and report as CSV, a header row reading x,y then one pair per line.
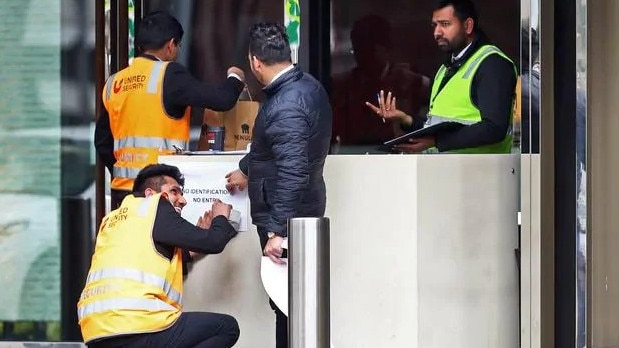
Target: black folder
x,y
448,126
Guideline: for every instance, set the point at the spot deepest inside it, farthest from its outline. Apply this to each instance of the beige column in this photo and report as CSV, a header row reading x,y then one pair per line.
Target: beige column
x,y
537,199
603,172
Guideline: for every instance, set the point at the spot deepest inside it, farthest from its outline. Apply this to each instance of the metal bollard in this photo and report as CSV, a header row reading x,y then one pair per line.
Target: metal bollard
x,y
308,283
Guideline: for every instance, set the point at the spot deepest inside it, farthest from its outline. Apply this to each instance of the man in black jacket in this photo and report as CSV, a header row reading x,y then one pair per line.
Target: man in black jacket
x,y
291,139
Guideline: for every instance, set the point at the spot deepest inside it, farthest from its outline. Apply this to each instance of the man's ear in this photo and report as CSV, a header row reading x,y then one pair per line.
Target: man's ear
x,y
170,45
149,192
469,24
256,62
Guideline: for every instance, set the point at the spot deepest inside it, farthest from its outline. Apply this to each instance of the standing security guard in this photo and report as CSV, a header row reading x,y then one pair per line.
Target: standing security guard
x,y
147,105
134,289
475,87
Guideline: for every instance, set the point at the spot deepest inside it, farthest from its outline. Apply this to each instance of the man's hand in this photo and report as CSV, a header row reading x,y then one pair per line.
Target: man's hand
x,y
237,71
387,109
416,145
205,220
274,250
236,181
221,208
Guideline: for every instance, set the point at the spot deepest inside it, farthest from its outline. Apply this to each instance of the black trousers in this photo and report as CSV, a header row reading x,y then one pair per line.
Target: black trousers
x,y
281,327
192,329
281,320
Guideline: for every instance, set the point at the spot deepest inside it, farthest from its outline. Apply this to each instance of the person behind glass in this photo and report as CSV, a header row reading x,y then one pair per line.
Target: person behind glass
x,y
292,131
475,87
134,289
354,122
147,105
530,83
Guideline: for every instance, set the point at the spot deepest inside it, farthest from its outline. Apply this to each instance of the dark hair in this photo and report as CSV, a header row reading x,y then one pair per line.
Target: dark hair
x,y
156,29
152,176
269,43
463,9
371,29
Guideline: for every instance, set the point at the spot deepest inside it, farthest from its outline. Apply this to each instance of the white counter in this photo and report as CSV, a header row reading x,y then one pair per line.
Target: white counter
x,y
422,255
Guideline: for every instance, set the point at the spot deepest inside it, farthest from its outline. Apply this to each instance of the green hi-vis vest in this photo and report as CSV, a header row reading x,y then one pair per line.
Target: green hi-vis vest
x,y
454,103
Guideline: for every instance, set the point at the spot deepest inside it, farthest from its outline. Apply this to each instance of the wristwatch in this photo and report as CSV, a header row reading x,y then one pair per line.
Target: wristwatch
x,y
271,235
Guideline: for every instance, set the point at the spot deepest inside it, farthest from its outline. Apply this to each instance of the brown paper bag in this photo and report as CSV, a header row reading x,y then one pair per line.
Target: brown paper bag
x,y
239,124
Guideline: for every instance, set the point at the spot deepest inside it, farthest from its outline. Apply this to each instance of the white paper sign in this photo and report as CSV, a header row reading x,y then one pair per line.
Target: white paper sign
x,y
275,281
205,182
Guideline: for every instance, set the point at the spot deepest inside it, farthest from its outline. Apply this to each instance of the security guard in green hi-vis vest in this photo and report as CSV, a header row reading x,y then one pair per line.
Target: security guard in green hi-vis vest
x,y
475,87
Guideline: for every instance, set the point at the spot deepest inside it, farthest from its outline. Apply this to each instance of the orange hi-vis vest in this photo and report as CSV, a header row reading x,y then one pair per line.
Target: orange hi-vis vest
x,y
140,125
130,288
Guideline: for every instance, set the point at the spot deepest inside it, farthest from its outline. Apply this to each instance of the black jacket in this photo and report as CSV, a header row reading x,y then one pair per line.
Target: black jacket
x,y
290,142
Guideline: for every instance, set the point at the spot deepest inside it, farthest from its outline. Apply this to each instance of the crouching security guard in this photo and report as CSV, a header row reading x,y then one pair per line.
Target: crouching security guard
x,y
134,289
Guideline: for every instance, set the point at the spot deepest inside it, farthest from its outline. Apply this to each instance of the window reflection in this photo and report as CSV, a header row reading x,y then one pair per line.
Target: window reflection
x,y
30,162
530,83
46,107
376,68
216,38
581,171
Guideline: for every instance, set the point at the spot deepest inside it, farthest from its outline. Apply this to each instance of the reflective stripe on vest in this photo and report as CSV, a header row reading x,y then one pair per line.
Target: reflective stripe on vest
x,y
108,88
138,276
124,172
478,60
434,120
154,305
153,80
144,205
149,142
472,67
162,144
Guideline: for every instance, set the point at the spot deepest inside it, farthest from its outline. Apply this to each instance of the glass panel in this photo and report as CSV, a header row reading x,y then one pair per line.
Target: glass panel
x,y
30,157
206,51
131,31
46,109
530,80
392,47
581,168
527,112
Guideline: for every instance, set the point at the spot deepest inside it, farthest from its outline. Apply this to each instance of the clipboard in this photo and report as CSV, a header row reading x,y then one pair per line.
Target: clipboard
x,y
447,126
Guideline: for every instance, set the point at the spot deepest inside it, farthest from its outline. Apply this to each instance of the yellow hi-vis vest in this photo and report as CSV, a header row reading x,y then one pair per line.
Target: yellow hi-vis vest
x,y
140,125
453,102
130,288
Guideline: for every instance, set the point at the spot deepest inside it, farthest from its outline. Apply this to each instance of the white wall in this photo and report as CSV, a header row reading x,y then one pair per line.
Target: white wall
x,y
422,255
